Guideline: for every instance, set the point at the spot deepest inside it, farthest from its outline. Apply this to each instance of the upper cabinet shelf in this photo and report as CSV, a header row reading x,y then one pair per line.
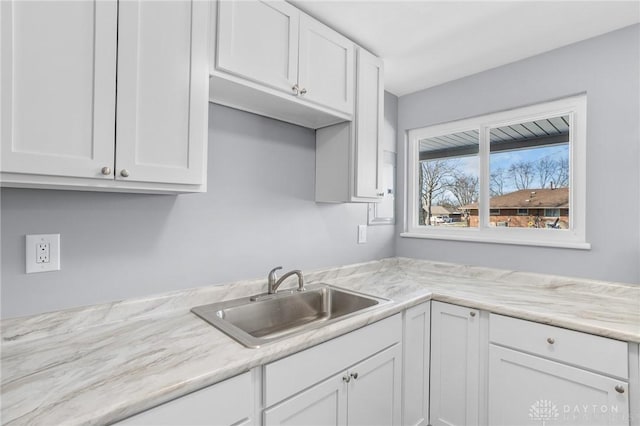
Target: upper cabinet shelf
x,y
274,60
62,124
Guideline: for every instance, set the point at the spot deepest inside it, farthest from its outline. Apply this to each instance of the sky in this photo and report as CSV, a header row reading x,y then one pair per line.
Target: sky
x,y
505,159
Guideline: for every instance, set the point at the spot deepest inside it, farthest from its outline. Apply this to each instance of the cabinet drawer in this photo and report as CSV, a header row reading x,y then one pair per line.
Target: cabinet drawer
x,y
226,403
299,371
584,350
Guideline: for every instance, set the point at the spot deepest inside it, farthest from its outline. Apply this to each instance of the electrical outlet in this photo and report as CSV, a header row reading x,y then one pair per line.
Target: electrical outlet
x,y
42,253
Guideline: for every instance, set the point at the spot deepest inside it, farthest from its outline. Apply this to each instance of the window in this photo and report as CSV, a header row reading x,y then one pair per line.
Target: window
x,y
552,212
515,177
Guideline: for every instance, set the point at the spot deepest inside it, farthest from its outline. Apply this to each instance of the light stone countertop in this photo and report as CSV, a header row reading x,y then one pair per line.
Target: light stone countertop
x,y
100,364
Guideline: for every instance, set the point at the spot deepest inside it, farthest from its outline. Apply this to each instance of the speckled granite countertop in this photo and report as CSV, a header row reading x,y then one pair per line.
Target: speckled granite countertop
x,y
103,363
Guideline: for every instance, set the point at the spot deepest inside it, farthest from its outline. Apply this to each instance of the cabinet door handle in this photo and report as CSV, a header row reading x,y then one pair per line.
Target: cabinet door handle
x,y
106,170
354,375
619,388
124,173
346,378
303,91
472,313
551,340
296,90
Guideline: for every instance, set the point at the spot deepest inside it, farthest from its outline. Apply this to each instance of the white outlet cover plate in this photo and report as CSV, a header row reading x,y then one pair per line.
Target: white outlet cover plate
x,y
31,243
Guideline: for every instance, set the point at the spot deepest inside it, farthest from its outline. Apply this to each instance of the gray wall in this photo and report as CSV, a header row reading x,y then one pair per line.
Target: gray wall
x,y
259,212
607,68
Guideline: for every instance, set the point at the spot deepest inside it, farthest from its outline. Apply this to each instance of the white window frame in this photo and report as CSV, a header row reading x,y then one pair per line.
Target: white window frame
x,y
575,107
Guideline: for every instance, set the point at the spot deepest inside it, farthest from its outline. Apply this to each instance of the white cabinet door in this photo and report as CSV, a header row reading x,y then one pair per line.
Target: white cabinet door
x,y
455,365
258,40
162,91
529,390
326,70
349,155
374,390
323,404
228,403
369,117
57,87
415,404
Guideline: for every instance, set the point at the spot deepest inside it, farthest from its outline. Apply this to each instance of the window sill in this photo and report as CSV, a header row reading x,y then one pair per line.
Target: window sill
x,y
577,245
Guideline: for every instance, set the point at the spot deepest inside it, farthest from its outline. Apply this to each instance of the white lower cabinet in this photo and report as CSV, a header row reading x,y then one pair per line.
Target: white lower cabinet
x,y
352,380
415,362
366,394
228,403
540,373
455,365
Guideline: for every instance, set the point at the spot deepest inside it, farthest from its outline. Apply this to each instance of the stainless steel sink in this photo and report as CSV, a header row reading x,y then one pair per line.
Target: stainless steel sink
x,y
262,319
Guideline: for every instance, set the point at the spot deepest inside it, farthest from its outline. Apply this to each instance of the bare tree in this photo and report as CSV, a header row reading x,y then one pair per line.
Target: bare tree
x,y
522,174
497,182
464,187
546,169
434,175
561,176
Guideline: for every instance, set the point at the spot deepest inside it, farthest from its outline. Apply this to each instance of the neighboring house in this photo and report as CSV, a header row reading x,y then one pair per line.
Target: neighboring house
x,y
441,214
526,208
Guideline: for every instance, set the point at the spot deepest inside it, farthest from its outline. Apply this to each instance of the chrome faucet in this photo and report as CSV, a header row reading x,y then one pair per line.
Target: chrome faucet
x,y
274,282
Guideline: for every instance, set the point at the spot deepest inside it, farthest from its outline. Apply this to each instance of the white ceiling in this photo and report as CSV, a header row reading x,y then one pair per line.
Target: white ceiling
x,y
425,42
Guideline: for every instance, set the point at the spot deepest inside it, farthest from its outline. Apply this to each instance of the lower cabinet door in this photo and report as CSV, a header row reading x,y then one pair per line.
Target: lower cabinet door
x,y
374,390
529,390
415,394
455,365
324,404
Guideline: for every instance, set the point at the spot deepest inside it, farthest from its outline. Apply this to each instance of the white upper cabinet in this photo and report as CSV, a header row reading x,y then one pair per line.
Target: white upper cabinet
x,y
369,117
268,56
326,68
60,64
162,91
58,87
349,155
272,59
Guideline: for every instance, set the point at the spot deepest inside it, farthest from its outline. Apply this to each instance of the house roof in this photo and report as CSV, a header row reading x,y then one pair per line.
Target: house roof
x,y
440,211
529,199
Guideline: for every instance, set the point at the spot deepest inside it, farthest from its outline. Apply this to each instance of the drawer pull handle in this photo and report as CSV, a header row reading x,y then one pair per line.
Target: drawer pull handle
x,y
473,314
551,340
346,379
354,375
619,388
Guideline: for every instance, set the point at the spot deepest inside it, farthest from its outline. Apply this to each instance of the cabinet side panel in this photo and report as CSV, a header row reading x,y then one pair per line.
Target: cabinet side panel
x,y
332,162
